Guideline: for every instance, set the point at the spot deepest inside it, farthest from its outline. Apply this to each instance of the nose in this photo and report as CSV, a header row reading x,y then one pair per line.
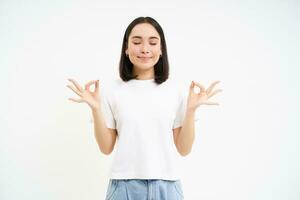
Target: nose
x,y
145,48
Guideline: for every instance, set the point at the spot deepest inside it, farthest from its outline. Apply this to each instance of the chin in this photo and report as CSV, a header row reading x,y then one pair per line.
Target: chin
x,y
145,65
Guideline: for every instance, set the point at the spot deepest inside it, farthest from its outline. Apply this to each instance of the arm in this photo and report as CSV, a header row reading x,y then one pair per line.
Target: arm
x,y
184,136
105,137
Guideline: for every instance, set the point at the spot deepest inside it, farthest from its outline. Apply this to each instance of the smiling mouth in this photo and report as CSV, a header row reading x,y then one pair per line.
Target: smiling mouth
x,y
145,59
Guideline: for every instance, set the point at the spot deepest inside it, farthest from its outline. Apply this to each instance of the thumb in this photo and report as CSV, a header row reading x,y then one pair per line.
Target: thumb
x,y
191,90
192,85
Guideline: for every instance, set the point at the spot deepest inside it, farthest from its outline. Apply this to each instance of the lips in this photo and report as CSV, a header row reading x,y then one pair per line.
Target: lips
x,y
144,59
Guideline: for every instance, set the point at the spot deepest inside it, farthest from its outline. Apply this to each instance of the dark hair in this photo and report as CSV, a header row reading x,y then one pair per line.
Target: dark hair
x,y
161,68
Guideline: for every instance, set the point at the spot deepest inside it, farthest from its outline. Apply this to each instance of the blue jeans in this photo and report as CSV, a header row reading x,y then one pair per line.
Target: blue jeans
x,y
144,189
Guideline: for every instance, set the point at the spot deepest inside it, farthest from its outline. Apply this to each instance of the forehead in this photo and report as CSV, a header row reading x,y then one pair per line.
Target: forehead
x,y
144,30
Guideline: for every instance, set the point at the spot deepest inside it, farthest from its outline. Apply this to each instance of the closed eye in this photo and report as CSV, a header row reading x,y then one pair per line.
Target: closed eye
x,y
136,43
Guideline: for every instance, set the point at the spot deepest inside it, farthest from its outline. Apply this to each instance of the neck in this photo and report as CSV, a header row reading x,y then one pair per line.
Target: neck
x,y
144,74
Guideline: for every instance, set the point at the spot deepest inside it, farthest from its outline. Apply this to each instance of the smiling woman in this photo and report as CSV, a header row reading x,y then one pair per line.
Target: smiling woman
x,y
147,113
144,52
143,49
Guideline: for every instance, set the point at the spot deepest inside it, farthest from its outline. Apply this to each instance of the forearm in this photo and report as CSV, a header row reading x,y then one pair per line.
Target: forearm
x,y
186,135
101,132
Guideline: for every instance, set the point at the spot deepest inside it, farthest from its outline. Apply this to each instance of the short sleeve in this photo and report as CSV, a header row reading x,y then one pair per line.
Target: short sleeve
x,y
180,111
106,107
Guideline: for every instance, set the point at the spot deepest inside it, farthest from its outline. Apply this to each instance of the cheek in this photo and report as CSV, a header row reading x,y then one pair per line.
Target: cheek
x,y
133,49
157,50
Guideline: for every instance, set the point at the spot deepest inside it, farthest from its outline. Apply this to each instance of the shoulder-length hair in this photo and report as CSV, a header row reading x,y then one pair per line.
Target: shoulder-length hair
x,y
161,68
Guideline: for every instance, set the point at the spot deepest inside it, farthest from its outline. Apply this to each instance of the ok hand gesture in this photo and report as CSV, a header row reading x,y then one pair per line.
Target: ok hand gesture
x,y
202,98
87,96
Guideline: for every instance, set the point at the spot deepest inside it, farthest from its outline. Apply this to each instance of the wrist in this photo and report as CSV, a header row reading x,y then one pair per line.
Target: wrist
x,y
190,112
95,109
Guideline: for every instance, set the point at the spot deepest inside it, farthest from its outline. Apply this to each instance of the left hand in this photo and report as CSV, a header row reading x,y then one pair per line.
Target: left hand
x,y
196,99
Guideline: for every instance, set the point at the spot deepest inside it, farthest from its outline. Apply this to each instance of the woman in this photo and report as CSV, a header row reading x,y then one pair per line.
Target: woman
x,y
148,115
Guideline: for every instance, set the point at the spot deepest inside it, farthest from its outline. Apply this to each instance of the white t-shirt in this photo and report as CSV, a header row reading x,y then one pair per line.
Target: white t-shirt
x,y
144,114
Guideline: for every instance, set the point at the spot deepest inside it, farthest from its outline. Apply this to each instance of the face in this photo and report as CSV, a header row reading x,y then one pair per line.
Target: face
x,y
144,47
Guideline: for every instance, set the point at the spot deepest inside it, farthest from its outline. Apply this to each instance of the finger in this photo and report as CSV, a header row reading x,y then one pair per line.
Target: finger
x,y
202,88
209,89
213,93
76,100
192,85
97,86
87,86
211,103
76,84
74,89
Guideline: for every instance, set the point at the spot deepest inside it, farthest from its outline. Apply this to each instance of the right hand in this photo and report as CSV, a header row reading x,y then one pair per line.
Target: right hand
x,y
90,97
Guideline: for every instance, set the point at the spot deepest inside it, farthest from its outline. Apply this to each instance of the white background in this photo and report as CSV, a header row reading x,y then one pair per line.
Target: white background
x,y
246,148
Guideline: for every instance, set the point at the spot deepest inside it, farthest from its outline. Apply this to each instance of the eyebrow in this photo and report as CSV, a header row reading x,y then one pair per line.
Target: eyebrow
x,y
139,37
